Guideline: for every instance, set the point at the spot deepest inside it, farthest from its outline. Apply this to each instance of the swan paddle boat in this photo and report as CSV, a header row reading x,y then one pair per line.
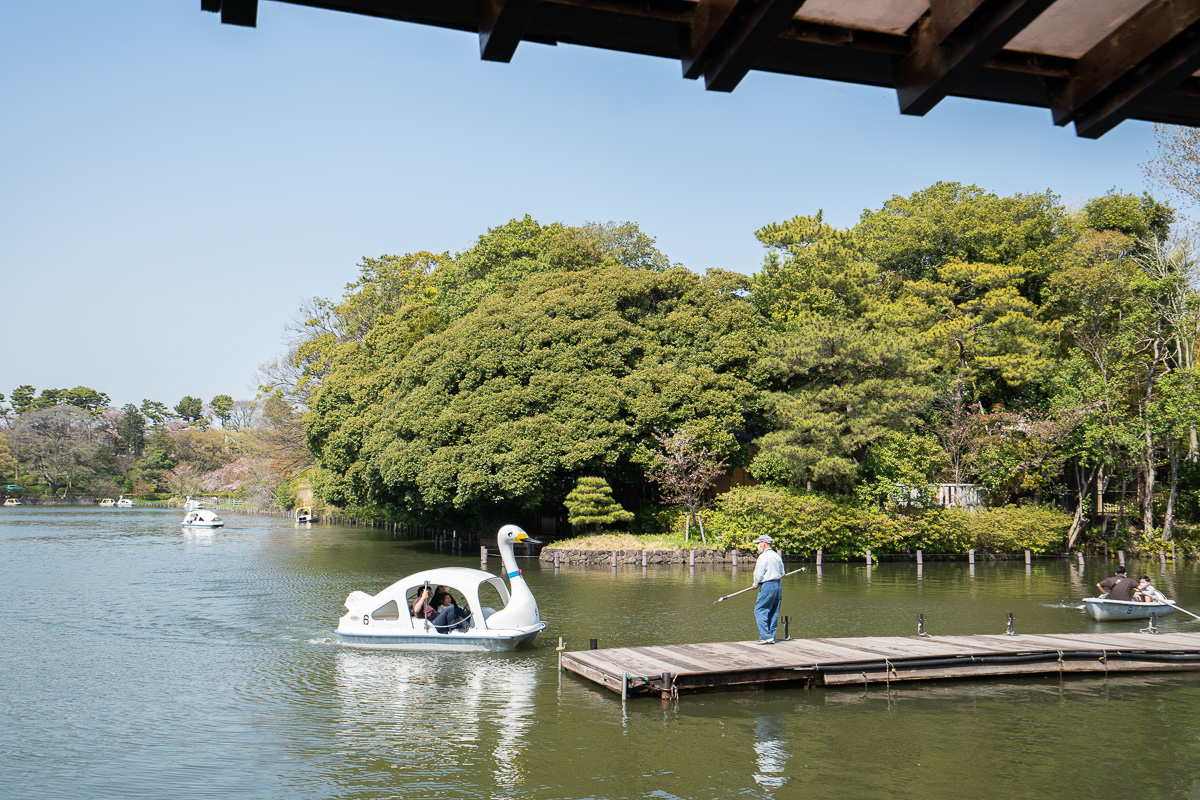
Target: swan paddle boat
x,y
385,620
1104,609
124,502
202,518
12,501
305,514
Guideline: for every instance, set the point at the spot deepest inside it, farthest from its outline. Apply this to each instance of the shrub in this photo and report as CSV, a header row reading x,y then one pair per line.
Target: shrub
x,y
802,522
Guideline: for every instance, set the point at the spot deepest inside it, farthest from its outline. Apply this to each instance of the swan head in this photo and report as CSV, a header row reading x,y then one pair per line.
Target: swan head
x,y
511,534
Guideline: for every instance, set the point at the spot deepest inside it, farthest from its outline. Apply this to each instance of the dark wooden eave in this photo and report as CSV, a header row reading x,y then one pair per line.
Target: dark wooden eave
x,y
1094,63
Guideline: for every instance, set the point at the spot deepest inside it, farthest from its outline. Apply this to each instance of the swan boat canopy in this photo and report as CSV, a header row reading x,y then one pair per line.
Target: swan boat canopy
x,y
202,518
385,620
1103,609
192,505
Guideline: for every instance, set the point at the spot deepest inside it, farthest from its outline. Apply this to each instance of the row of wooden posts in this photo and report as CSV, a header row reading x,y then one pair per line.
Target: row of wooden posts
x,y
819,557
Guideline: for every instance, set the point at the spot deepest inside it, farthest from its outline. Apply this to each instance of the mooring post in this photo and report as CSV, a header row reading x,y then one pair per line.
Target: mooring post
x,y
1162,559
1028,558
920,624
868,557
556,559
666,686
920,557
692,559
624,686
643,558
591,644
786,636
1081,561
1010,630
971,556
614,559
1121,557
483,556
560,652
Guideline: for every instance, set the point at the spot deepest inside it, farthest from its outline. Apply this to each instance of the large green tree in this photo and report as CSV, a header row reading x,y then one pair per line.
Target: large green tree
x,y
561,375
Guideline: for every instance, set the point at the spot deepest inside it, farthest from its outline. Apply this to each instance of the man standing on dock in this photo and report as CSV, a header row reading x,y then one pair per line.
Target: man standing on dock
x,y
1119,587
768,574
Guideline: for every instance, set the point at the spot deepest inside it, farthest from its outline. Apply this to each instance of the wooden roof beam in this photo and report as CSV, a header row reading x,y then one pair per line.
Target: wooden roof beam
x,y
953,39
234,12
727,37
1155,50
502,24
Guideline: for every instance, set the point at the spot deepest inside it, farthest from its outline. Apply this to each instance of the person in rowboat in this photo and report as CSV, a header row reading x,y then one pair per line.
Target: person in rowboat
x,y
1147,593
768,572
1119,587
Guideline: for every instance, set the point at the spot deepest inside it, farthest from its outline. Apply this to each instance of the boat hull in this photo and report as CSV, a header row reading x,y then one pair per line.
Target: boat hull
x,y
453,641
1104,609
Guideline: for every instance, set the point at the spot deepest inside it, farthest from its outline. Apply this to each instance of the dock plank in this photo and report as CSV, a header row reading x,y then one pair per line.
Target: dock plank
x,y
708,666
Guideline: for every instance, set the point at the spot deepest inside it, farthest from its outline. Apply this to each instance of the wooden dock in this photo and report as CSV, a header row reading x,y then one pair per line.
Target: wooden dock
x,y
668,670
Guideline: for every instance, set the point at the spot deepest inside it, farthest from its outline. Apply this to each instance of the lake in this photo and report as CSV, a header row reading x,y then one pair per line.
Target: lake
x,y
140,660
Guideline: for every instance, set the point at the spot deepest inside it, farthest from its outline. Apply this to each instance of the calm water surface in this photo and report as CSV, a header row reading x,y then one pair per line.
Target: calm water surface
x,y
138,660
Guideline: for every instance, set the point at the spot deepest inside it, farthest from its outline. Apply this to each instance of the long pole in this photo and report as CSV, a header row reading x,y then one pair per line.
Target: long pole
x,y
748,588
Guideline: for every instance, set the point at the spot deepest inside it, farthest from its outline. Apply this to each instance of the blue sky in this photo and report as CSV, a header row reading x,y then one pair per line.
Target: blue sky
x,y
172,188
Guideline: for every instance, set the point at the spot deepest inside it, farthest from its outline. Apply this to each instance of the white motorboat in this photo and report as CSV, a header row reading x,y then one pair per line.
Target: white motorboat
x,y
192,505
305,514
385,620
202,518
1104,609
124,502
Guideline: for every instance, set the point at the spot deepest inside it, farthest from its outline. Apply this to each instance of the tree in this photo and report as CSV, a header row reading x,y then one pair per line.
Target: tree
x,y
191,410
591,503
684,470
244,414
839,387
1176,163
131,431
8,464
562,374
222,408
54,441
156,412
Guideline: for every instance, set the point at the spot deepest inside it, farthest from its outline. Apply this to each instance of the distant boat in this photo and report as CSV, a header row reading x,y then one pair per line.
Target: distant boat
x,y
124,502
12,501
107,502
202,518
1104,609
305,514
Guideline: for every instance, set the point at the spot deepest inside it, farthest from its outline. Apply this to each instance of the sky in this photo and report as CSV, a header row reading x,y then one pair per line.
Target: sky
x,y
171,188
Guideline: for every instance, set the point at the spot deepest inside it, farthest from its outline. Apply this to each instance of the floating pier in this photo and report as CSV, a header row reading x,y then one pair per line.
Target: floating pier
x,y
669,670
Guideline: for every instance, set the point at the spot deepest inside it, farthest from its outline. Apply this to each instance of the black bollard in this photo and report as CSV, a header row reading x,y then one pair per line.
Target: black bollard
x,y
591,644
1010,630
786,635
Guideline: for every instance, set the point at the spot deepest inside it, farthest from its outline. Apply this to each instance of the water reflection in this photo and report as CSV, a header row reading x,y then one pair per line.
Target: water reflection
x,y
460,718
770,749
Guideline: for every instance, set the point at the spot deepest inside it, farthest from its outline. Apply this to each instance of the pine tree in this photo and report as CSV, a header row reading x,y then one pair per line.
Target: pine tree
x,y
591,503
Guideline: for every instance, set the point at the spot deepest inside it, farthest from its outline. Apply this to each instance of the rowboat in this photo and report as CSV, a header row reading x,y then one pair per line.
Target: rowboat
x,y
1104,609
498,619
